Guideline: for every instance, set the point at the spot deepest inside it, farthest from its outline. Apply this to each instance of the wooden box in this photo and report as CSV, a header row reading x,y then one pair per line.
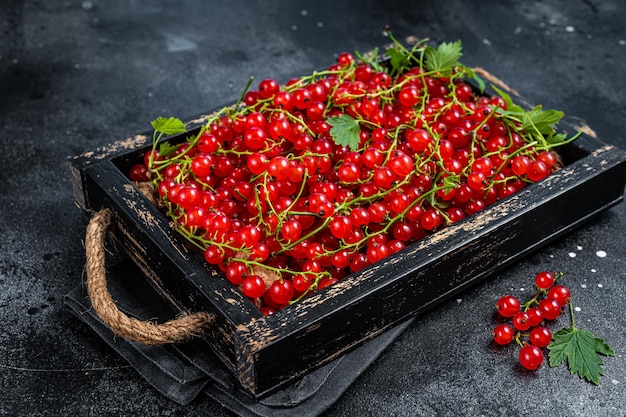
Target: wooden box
x,y
264,353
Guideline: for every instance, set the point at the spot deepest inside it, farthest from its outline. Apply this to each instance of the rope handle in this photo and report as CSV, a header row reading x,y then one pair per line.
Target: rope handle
x,y
146,332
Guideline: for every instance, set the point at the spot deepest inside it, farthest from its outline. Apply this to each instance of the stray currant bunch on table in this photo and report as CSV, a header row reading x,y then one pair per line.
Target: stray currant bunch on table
x,y
297,186
528,327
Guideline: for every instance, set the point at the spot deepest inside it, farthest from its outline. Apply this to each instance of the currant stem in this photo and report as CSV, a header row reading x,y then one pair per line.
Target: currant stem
x,y
571,313
533,300
243,93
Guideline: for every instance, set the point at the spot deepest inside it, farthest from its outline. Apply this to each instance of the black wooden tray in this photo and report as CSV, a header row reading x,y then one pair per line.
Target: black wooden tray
x,y
264,353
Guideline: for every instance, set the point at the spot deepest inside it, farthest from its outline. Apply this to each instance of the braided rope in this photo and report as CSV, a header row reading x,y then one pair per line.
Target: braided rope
x,y
148,333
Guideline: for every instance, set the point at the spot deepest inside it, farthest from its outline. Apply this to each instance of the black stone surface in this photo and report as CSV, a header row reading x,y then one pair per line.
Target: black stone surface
x,y
77,75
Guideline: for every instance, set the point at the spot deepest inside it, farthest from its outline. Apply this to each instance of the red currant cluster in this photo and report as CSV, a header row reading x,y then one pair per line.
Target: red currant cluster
x,y
527,320
279,197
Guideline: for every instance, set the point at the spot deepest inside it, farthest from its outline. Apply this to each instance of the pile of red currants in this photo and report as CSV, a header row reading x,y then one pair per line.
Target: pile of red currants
x,y
300,185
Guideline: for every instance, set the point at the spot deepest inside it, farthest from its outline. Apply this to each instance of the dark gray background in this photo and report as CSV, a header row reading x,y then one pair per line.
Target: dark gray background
x,y
76,75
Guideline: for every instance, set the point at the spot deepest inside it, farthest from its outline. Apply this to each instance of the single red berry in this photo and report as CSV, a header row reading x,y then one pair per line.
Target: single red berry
x,y
139,173
503,334
281,292
530,357
520,164
301,283
326,282
550,309
202,165
253,286
561,294
291,230
540,336
521,320
235,272
544,280
431,219
207,143
508,305
340,226
268,88
535,317
213,254
537,170
548,157
345,59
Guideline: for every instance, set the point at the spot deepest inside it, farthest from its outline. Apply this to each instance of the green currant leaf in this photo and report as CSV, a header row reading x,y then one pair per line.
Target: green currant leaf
x,y
399,61
580,349
444,58
169,126
603,348
345,131
166,149
542,121
556,138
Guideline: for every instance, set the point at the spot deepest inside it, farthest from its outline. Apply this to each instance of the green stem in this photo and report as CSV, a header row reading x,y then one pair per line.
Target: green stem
x,y
571,313
243,93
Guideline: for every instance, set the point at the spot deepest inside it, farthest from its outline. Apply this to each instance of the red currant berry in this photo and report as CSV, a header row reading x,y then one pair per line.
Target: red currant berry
x,y
253,286
431,219
301,283
503,334
535,317
268,88
207,143
530,357
550,309
291,230
544,280
508,305
281,292
548,157
463,92
340,226
537,170
139,173
409,95
521,320
213,254
540,336
520,164
560,294
345,59
235,272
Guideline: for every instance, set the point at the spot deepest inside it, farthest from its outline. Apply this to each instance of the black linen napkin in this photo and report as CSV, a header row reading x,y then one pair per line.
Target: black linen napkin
x,y
187,371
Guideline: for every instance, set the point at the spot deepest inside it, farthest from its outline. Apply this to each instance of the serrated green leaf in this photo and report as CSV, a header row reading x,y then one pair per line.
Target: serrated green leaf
x,y
540,120
165,149
444,58
169,126
603,348
580,349
398,60
510,106
556,138
345,131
